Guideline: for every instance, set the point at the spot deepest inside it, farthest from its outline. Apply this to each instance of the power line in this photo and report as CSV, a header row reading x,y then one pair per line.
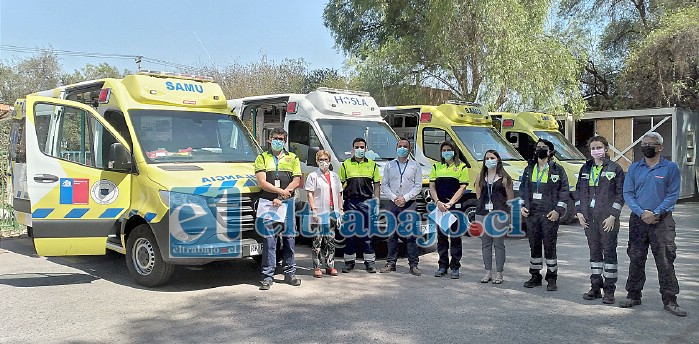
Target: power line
x,y
20,49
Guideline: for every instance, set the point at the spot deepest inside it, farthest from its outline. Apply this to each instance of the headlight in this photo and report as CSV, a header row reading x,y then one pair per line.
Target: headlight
x,y
165,197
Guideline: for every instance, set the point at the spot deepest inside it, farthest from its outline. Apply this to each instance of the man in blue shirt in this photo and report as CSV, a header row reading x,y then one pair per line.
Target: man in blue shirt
x,y
651,189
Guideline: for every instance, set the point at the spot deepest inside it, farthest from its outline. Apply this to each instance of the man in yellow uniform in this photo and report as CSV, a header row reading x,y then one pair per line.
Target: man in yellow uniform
x,y
278,173
360,177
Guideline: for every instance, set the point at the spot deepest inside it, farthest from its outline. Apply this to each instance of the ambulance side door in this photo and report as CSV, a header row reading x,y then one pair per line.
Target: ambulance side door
x,y
79,173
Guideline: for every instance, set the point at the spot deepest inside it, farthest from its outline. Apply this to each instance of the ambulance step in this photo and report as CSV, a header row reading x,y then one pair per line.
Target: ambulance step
x,y
113,245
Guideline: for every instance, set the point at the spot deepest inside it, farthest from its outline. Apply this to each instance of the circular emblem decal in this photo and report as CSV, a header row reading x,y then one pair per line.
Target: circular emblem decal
x,y
104,192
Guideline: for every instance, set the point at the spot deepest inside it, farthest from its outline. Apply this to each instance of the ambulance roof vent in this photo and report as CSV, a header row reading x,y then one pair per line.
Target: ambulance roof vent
x,y
337,90
160,74
462,102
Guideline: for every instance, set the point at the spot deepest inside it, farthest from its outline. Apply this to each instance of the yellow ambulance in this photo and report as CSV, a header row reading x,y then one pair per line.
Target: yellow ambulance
x,y
524,129
469,125
153,166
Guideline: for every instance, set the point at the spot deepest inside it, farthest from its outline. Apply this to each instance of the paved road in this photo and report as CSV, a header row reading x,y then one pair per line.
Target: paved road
x,y
92,299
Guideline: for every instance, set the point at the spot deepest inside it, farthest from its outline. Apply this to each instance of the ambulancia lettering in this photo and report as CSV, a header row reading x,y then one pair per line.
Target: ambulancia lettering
x,y
177,86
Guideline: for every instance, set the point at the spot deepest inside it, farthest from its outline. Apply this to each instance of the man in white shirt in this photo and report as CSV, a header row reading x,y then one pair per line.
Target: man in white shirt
x,y
402,182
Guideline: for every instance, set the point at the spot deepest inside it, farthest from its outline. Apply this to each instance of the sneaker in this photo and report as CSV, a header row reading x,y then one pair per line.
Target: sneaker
x,y
675,309
265,285
441,272
349,266
415,271
628,303
592,294
535,281
331,271
455,274
370,268
552,286
608,298
292,280
317,273
388,268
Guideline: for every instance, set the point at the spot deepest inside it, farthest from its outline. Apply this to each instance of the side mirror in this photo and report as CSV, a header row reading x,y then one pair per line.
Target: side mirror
x,y
119,158
312,151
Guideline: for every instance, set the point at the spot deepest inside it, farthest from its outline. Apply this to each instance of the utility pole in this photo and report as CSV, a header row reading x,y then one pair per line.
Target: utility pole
x,y
138,62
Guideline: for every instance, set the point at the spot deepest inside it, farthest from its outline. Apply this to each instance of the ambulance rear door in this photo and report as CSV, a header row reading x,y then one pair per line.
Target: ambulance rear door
x,y
79,174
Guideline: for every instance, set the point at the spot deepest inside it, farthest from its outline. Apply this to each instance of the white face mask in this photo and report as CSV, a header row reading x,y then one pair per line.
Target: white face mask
x,y
324,165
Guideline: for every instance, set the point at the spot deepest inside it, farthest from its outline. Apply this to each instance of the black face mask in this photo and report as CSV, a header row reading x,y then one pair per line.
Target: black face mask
x,y
542,153
649,151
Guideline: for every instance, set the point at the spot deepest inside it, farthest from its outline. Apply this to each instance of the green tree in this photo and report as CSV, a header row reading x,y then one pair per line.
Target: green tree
x,y
92,72
495,52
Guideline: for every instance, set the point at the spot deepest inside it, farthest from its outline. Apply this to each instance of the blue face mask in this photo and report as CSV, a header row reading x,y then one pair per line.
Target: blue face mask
x,y
448,155
491,163
277,145
359,153
402,152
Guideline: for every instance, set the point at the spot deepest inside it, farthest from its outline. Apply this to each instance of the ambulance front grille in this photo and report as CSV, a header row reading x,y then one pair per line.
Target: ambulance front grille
x,y
237,211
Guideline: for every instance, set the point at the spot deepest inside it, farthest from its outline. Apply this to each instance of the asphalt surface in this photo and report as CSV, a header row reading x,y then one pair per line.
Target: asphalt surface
x,y
92,300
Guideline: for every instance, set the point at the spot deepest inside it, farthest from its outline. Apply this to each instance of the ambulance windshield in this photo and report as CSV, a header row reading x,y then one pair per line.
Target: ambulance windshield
x,y
479,140
564,149
168,136
381,140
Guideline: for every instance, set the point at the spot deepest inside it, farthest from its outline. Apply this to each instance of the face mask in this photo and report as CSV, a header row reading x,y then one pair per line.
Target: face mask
x,y
597,153
649,151
324,165
277,145
359,153
542,153
491,163
402,152
448,155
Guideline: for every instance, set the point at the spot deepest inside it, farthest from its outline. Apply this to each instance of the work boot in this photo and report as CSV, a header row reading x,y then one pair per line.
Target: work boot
x,y
675,309
552,286
292,280
415,271
608,298
628,303
535,281
454,273
388,268
265,284
370,268
593,294
441,272
349,266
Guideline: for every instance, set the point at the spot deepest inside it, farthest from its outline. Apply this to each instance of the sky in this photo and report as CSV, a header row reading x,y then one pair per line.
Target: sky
x,y
192,33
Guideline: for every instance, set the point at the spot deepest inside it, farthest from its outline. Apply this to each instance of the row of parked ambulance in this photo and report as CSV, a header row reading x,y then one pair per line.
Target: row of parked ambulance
x,y
146,165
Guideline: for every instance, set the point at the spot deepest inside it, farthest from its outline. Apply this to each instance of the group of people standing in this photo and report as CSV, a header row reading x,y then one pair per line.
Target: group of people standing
x,y
650,188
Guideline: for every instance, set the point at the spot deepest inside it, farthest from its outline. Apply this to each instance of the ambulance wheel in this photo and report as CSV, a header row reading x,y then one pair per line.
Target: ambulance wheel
x,y
144,260
257,259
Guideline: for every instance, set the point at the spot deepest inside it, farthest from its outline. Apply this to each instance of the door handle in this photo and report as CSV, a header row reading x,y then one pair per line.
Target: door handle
x,y
45,178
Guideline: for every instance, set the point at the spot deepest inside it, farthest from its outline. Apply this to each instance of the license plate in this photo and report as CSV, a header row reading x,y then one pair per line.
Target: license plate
x,y
254,249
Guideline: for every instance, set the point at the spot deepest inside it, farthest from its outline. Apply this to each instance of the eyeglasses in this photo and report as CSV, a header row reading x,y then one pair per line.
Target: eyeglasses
x,y
650,144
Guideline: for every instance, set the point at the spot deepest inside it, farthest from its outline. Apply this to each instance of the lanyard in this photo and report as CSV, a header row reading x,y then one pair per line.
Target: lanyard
x,y
490,188
276,165
595,181
539,175
402,172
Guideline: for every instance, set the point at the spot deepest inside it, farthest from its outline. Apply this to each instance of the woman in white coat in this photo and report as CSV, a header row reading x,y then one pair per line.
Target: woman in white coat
x,y
325,199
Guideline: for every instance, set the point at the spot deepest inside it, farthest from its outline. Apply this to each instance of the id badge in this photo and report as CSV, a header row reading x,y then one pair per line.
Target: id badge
x,y
489,206
592,203
537,195
277,183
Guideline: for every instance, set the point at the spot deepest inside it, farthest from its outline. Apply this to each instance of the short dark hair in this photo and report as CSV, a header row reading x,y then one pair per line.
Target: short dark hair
x,y
359,139
547,143
278,131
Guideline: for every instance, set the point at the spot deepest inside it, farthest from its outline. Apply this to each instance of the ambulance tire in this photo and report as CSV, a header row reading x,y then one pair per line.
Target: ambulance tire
x,y
144,260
